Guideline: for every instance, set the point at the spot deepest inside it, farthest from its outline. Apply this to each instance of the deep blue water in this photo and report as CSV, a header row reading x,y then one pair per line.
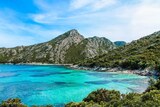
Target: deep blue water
x,y
46,84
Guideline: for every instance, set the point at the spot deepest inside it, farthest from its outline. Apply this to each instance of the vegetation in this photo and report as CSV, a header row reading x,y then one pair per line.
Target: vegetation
x,y
103,95
148,99
106,98
88,48
74,53
153,85
16,102
139,54
12,103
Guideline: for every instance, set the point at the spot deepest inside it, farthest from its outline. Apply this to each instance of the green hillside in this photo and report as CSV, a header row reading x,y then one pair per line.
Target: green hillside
x,y
88,48
138,54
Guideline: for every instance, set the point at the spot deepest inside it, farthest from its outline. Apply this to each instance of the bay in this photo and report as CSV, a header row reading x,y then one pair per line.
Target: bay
x,y
58,85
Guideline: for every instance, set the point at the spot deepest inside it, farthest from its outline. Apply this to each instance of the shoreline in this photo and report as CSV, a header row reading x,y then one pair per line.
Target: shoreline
x,y
36,64
144,72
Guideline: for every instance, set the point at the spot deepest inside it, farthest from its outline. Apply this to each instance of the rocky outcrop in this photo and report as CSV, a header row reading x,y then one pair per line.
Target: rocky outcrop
x,y
97,46
63,43
89,48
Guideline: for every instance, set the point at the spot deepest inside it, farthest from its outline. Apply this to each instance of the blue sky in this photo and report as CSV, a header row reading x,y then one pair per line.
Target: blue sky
x,y
26,22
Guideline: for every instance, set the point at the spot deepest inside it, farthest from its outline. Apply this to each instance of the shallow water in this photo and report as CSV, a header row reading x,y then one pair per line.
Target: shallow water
x,y
58,85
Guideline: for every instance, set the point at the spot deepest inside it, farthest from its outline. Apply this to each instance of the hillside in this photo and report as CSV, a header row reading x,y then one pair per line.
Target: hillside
x,y
89,48
139,54
66,48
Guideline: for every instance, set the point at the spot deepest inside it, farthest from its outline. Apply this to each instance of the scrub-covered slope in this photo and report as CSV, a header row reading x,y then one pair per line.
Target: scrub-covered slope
x,y
89,48
138,54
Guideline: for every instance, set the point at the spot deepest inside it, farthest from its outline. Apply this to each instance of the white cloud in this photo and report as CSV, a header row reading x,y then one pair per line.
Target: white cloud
x,y
91,4
50,15
131,21
77,4
146,18
121,22
14,32
141,19
45,18
48,12
103,3
44,5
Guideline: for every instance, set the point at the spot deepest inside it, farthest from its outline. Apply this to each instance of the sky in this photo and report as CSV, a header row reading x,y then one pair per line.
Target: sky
x,y
27,22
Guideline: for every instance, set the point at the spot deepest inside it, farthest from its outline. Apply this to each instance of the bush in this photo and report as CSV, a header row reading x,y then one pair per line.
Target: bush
x,y
12,103
102,95
106,98
154,85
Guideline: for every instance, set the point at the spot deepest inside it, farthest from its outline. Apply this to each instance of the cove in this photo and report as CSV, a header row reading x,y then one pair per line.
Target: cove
x,y
58,85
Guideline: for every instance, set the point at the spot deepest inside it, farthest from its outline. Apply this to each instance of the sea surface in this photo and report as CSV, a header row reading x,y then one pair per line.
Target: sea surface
x,y
57,85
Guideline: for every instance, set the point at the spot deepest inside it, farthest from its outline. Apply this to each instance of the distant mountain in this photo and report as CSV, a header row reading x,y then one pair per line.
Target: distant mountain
x,y
139,54
66,48
120,43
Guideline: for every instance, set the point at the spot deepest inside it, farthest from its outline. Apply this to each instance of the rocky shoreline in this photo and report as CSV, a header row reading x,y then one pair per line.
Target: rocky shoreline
x,y
144,72
34,63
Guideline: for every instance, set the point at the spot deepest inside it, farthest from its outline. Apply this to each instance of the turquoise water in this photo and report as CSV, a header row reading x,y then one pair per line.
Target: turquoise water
x,y
58,85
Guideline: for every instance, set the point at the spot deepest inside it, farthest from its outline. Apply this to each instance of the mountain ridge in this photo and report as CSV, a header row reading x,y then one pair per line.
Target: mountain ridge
x,y
55,51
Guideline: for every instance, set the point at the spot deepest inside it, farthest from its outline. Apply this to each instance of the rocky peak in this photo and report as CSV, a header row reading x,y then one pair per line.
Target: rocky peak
x,y
99,41
63,42
97,46
73,33
98,38
70,36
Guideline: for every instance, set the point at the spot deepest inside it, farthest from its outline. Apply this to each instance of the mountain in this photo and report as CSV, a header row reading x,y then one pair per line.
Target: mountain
x,y
139,54
89,48
120,43
66,48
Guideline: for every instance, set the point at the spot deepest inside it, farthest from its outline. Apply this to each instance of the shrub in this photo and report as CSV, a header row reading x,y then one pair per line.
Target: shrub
x,y
102,95
12,103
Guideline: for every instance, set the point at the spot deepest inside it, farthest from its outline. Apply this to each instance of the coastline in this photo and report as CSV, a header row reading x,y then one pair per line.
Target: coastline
x,y
34,63
144,72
